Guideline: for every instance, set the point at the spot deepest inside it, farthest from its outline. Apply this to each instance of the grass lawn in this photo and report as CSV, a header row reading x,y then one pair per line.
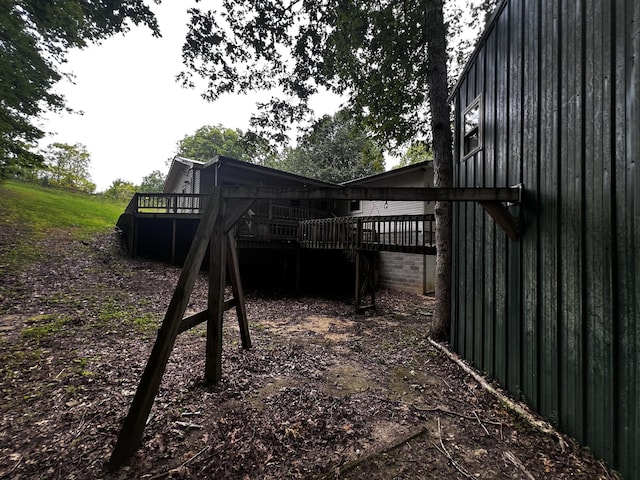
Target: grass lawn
x,y
29,212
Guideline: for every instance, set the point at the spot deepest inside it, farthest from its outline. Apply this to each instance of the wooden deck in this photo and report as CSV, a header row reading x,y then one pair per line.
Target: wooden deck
x,y
398,233
269,224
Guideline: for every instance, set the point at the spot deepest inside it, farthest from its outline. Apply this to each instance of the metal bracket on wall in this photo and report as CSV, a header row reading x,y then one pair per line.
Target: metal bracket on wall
x,y
503,217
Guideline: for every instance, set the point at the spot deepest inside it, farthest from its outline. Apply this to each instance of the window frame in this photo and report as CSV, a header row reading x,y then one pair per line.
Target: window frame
x,y
476,103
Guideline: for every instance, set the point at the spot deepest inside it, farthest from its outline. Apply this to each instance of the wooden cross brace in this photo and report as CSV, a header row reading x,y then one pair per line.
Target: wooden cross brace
x,y
215,226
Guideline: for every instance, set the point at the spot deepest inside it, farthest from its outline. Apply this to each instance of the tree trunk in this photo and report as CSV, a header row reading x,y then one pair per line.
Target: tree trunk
x,y
436,32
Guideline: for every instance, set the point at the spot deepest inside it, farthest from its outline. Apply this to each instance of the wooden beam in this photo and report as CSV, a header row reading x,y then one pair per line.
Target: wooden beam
x,y
194,320
217,276
238,293
509,194
503,218
133,427
236,210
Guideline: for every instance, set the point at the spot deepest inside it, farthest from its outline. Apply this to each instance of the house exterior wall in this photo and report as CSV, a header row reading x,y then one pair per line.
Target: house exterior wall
x,y
555,316
407,272
184,176
420,177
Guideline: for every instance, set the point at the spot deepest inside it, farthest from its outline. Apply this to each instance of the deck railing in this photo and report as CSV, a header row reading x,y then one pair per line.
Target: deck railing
x,y
369,233
267,221
169,203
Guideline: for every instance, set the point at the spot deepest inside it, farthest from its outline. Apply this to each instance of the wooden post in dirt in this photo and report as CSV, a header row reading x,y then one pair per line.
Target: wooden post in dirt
x,y
133,427
238,292
365,279
217,276
357,298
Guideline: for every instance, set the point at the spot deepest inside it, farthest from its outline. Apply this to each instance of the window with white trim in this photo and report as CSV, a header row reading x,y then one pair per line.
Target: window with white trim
x,y
472,128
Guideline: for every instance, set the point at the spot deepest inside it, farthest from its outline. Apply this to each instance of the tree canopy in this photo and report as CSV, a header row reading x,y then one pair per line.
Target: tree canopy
x,y
388,58
209,141
416,153
335,150
67,166
371,51
34,39
120,190
153,182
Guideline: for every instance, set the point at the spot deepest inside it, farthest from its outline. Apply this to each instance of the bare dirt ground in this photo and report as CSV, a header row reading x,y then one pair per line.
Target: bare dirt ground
x,y
323,393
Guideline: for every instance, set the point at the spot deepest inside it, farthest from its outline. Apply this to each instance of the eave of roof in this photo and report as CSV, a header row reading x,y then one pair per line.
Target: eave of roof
x,y
173,171
480,43
267,171
390,173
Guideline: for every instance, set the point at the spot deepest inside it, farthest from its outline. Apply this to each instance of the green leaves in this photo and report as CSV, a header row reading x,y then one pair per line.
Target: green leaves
x,y
209,141
334,150
372,51
68,167
34,38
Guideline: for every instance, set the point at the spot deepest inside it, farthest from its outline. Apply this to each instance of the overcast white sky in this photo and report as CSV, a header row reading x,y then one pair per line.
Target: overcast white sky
x,y
134,111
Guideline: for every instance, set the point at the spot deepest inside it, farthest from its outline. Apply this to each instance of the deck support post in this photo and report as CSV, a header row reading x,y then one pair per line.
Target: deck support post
x,y
173,241
365,280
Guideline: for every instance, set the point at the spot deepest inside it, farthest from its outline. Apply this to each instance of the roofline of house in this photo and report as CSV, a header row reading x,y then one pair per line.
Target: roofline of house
x,y
240,164
480,43
389,173
187,162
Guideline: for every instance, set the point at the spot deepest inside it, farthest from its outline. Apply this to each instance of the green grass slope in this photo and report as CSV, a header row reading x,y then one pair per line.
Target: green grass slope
x,y
30,212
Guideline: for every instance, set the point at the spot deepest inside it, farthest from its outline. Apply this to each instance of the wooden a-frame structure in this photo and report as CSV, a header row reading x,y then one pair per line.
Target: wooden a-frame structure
x,y
226,206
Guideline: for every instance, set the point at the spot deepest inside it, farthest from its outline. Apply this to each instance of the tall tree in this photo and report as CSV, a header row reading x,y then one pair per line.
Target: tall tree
x,y
416,153
209,141
212,140
335,150
387,56
153,182
120,190
67,166
34,38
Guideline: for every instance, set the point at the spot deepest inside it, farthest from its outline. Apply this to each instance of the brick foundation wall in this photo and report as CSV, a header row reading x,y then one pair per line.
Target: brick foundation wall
x,y
406,272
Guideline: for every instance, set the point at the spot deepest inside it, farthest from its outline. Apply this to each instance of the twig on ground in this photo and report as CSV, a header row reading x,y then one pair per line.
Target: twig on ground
x,y
513,459
481,424
352,465
8,474
442,449
182,465
437,409
517,408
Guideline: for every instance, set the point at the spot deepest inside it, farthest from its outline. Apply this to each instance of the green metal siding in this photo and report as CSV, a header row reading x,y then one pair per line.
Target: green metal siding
x,y
554,317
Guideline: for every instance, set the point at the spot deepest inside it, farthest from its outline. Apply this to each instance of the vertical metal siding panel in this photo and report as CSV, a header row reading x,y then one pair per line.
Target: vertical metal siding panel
x,y
502,103
514,176
455,239
627,137
572,183
463,245
633,154
470,231
548,202
531,173
632,249
600,369
478,233
489,134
